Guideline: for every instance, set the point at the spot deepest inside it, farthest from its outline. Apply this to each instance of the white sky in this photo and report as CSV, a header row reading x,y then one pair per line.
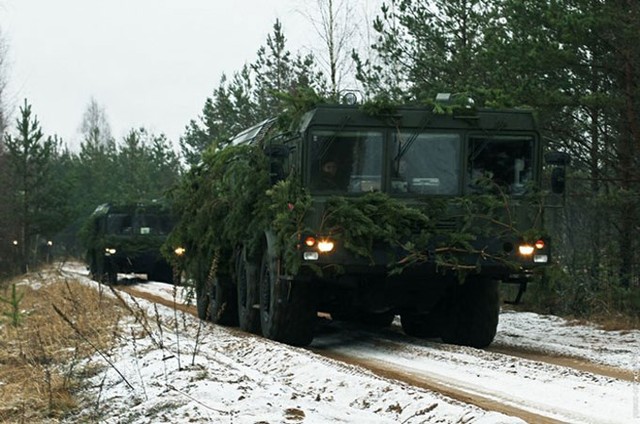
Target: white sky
x,y
149,63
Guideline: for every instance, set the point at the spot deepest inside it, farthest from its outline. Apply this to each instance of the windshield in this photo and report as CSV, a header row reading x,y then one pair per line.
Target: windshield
x,y
427,163
140,224
504,161
346,161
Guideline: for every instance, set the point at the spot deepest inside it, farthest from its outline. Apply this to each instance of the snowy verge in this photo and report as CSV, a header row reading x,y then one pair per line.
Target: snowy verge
x,y
171,367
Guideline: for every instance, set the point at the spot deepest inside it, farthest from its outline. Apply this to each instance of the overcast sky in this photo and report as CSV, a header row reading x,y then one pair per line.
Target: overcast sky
x,y
149,63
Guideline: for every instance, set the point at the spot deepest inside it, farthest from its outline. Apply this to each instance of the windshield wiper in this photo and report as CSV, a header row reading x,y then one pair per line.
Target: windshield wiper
x,y
404,149
327,145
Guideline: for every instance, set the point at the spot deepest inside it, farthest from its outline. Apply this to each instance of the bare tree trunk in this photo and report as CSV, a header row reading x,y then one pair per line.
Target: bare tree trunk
x,y
630,135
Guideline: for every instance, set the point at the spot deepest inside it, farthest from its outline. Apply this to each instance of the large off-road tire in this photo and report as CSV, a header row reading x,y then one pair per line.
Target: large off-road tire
x,y
420,325
98,270
110,274
376,320
287,308
425,325
247,293
93,266
472,314
215,299
202,301
161,272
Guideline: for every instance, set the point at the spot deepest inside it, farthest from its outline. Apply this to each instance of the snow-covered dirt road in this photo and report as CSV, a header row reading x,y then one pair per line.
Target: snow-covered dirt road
x,y
539,369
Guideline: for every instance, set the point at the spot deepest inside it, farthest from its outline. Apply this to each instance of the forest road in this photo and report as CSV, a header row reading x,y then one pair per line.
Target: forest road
x,y
523,382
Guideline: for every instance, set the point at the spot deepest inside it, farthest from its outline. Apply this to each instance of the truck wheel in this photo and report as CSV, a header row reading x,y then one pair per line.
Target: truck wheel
x,y
161,272
202,302
473,313
287,308
376,320
98,272
425,325
216,301
93,267
420,325
248,295
111,274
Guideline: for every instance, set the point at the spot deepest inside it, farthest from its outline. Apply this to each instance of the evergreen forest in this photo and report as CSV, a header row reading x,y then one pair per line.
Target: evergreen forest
x,y
576,63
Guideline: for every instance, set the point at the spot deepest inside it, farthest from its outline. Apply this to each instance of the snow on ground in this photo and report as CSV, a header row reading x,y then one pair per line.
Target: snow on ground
x,y
196,372
239,378
547,390
554,335
529,331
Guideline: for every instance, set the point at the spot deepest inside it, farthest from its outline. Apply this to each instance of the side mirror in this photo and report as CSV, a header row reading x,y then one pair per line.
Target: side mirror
x,y
277,151
559,160
278,155
558,180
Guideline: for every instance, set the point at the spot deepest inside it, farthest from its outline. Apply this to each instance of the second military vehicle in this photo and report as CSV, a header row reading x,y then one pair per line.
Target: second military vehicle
x,y
127,238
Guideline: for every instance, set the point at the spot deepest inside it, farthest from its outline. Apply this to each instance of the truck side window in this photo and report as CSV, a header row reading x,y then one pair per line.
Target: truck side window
x,y
504,161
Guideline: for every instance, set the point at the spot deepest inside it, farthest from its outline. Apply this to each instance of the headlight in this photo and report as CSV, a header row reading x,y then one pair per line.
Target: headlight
x,y
526,249
325,246
316,247
179,251
109,251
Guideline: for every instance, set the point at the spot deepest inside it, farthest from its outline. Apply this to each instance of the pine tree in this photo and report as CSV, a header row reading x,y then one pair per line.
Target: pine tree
x,y
254,93
29,157
95,174
7,217
427,47
146,167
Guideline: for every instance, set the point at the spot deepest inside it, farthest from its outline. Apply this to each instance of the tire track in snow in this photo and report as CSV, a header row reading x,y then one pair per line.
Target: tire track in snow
x,y
532,390
389,371
486,398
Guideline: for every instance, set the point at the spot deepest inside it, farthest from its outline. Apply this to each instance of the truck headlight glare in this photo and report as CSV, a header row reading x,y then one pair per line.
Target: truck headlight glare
x,y
526,249
110,251
325,246
179,251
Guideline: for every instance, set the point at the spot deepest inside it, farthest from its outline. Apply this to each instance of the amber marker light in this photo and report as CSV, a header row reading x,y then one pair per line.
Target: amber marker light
x,y
539,244
310,241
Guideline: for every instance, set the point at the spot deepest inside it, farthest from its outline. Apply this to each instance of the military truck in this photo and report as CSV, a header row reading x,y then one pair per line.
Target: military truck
x,y
412,211
127,238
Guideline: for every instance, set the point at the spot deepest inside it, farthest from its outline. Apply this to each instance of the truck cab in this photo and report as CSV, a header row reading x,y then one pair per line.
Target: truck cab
x,y
127,239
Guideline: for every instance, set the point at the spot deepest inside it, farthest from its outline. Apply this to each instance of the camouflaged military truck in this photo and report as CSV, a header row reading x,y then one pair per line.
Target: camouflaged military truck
x,y
127,238
412,212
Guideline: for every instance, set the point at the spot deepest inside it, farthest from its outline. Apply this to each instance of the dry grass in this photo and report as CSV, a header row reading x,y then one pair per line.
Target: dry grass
x,y
41,360
610,322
